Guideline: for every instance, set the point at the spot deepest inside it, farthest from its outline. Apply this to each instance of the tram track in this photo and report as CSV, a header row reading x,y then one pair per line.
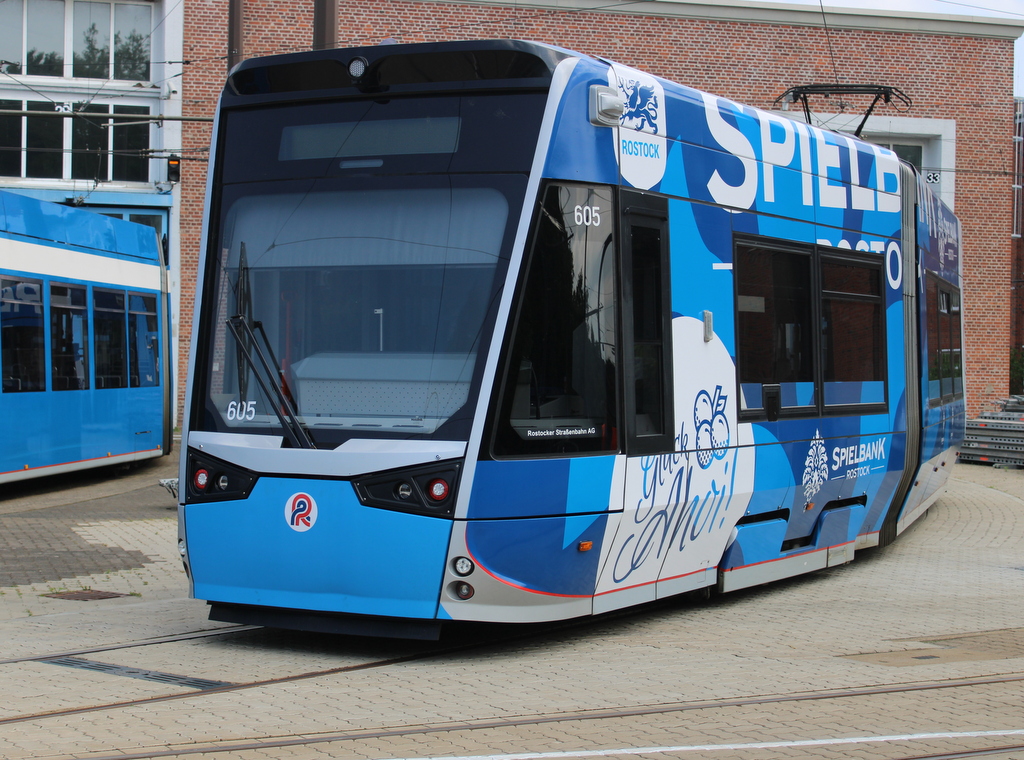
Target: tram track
x,y
234,687
983,752
501,723
441,651
172,639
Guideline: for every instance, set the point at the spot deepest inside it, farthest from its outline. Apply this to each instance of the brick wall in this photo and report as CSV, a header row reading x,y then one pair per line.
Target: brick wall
x,y
751,63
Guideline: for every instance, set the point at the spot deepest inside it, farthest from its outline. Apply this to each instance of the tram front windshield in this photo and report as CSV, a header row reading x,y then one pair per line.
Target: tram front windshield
x,y
355,303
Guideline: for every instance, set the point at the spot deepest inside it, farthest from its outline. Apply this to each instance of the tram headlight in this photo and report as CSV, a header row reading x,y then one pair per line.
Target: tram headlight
x,y
426,489
357,67
463,590
463,566
437,489
211,479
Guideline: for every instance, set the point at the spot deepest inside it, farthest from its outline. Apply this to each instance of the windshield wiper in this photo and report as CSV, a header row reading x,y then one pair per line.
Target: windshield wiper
x,y
285,411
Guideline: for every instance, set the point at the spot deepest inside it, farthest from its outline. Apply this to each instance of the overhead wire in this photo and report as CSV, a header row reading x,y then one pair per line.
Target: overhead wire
x,y
364,39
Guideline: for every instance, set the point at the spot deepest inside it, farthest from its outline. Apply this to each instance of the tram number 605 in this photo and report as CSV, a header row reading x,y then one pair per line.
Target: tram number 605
x,y
241,410
587,216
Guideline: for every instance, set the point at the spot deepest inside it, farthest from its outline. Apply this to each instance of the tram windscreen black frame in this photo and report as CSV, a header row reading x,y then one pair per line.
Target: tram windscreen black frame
x,y
458,257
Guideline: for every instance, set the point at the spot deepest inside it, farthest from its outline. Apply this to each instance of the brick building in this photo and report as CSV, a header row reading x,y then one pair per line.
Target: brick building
x,y
1017,283
957,71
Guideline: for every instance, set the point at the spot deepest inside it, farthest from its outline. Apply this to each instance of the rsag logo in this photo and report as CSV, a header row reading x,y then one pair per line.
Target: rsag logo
x,y
300,512
640,144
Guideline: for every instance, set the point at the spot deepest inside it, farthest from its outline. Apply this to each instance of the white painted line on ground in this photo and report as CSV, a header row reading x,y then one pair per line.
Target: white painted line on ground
x,y
719,747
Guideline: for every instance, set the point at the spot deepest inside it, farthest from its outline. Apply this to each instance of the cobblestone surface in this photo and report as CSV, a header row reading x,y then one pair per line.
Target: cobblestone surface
x,y
694,679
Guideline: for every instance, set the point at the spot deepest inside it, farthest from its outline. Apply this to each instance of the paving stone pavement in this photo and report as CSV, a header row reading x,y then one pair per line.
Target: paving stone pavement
x,y
943,603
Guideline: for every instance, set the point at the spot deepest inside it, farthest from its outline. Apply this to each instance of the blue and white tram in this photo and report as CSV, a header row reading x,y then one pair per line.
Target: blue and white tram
x,y
496,331
83,340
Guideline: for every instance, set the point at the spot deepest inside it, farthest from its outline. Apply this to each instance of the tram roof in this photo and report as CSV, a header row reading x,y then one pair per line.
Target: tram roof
x,y
52,224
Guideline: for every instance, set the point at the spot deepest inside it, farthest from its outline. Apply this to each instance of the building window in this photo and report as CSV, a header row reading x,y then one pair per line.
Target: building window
x,y
912,153
94,144
92,40
44,143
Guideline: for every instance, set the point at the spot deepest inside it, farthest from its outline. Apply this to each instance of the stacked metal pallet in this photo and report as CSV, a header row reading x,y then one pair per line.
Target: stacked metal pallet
x,y
996,437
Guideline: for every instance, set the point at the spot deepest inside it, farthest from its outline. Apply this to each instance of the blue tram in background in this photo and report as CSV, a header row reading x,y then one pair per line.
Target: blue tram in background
x,y
84,340
497,331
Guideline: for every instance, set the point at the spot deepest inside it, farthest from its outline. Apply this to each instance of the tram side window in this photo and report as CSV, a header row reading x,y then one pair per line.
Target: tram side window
x,y
853,345
810,330
775,327
143,341
109,318
69,337
648,331
22,336
956,350
560,392
945,354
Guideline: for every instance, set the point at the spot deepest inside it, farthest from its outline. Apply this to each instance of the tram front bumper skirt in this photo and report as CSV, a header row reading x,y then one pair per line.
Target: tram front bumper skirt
x,y
310,545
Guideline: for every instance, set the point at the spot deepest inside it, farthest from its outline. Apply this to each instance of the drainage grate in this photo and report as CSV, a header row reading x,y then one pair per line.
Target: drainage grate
x,y
85,595
146,675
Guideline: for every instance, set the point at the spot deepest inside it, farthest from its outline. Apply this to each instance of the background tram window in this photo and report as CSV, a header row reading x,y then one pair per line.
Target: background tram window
x,y
69,337
853,347
110,329
774,325
560,393
143,341
22,332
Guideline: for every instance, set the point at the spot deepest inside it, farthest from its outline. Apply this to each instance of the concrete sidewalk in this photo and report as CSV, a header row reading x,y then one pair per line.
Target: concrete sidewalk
x,y
104,530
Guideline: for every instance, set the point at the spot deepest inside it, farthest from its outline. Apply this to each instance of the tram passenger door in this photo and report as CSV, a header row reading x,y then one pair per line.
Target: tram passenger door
x,y
633,565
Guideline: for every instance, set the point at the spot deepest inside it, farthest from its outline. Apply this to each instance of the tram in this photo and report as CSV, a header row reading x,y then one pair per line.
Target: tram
x,y
84,333
495,331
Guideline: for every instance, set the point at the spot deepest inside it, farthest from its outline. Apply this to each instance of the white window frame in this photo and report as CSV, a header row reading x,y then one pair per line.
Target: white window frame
x,y
66,103
936,136
69,42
